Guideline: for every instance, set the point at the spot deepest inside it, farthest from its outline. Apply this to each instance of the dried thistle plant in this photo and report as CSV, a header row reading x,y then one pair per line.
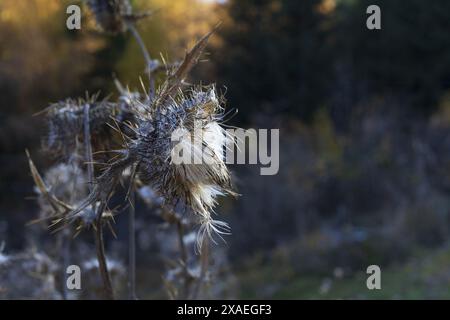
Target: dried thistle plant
x,y
139,130
194,115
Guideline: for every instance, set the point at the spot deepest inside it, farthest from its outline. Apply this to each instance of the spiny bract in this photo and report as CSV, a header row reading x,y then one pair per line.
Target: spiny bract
x,y
65,121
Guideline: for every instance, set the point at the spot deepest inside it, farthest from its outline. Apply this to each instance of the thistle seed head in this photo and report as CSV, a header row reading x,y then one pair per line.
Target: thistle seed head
x,y
65,121
113,16
195,122
194,119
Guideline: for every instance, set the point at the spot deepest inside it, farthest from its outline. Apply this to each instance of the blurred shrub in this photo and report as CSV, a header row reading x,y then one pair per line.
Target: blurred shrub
x,y
374,194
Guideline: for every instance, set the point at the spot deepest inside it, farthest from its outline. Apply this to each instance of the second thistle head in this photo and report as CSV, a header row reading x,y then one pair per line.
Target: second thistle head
x,y
113,16
110,15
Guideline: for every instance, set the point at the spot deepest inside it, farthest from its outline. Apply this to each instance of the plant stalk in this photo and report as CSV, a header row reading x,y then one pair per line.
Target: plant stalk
x,y
132,213
184,259
148,60
100,248
204,262
98,230
132,248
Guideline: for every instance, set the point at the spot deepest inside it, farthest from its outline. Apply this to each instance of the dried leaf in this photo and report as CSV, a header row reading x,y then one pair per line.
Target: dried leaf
x,y
174,81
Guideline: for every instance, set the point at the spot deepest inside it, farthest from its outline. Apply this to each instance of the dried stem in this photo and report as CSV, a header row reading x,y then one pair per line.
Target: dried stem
x,y
184,258
60,243
132,248
131,218
148,60
204,257
65,262
88,146
100,246
98,230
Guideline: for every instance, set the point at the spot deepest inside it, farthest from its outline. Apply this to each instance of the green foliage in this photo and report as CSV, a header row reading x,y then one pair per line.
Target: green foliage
x,y
425,276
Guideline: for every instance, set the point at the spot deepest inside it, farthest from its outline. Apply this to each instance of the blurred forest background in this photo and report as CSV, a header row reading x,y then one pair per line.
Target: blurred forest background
x,y
364,120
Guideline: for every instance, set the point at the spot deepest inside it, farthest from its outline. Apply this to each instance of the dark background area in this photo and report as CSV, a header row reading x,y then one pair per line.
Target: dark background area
x,y
364,119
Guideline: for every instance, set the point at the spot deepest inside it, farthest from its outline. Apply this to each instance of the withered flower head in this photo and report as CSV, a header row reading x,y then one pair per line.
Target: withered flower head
x,y
194,122
65,120
113,16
